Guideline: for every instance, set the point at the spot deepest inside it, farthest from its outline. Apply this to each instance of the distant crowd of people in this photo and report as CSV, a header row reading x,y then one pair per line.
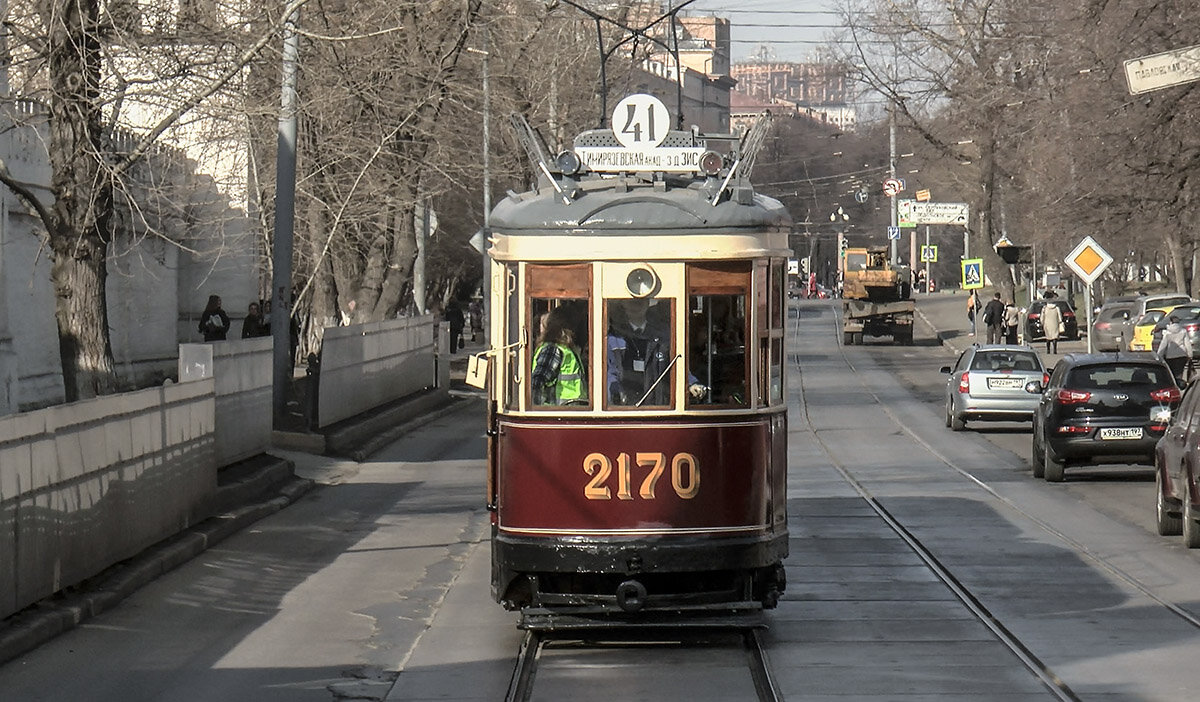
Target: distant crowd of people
x,y
215,324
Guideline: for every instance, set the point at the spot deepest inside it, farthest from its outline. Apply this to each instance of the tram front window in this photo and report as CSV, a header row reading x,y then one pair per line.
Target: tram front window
x,y
640,358
559,362
717,352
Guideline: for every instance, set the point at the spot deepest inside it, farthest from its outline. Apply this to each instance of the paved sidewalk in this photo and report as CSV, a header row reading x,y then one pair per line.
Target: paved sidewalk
x,y
946,314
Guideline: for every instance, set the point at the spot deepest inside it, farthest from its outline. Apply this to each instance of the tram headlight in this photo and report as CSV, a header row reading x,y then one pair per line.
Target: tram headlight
x,y
568,163
641,281
711,163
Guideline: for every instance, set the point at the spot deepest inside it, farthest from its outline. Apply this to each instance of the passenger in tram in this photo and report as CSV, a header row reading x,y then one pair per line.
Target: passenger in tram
x,y
557,377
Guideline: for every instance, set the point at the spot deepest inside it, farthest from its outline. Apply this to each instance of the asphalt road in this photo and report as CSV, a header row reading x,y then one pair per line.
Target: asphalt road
x,y
375,584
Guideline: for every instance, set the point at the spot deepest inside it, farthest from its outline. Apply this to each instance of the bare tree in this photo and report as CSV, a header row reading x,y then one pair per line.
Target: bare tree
x,y
91,67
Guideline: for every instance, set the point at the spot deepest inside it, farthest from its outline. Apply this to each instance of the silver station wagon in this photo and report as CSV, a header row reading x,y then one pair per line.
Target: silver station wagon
x,y
988,383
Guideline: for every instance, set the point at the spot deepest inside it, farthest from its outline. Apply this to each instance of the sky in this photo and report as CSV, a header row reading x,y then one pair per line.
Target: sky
x,y
791,29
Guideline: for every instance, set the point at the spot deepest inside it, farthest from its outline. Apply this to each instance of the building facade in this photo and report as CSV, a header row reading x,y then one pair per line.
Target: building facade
x,y
816,91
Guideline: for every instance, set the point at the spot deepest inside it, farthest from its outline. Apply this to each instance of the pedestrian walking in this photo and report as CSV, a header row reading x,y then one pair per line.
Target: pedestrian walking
x,y
214,323
1012,322
1175,349
475,310
993,317
1052,326
454,317
972,308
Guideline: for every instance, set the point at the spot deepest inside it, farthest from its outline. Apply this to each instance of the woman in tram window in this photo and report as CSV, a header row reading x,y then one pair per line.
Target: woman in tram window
x,y
557,376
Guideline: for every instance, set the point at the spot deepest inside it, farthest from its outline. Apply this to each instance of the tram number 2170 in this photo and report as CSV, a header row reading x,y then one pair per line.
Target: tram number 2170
x,y
685,475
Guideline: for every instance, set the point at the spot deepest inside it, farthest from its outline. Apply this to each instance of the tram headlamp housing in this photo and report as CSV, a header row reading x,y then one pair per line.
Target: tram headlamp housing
x,y
711,163
568,163
641,281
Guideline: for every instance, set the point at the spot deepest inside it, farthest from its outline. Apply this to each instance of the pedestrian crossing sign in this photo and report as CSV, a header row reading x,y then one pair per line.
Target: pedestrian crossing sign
x,y
929,254
972,273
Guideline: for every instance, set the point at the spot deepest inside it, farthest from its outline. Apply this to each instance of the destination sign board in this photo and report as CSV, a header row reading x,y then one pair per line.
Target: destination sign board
x,y
615,159
912,213
1163,70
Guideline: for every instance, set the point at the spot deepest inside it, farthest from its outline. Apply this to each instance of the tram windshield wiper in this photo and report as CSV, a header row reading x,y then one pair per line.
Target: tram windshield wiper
x,y
659,379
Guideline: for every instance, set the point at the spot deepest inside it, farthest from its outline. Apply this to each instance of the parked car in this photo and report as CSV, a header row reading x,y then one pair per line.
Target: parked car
x,y
1112,327
1143,329
1189,315
987,383
1033,320
1176,470
1101,407
1146,302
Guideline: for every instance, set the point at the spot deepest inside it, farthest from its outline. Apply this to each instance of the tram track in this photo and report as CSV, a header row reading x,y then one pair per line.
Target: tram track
x,y
1055,685
624,647
1081,548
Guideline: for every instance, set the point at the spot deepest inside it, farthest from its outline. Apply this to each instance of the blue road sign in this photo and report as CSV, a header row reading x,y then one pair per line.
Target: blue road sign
x,y
893,232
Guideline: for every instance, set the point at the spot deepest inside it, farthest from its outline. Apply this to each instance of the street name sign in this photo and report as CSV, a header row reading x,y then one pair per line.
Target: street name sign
x,y
1088,260
911,213
1163,70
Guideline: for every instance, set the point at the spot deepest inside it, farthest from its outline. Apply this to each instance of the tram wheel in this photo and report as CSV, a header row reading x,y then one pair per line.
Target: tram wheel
x,y
1191,528
1167,523
1053,466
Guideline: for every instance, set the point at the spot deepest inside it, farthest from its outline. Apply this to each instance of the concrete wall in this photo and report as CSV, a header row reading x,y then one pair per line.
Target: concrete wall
x,y
181,241
85,485
242,370
367,365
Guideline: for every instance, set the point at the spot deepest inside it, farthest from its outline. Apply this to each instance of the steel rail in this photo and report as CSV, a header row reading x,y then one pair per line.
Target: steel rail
x,y
1054,684
760,668
520,686
1095,558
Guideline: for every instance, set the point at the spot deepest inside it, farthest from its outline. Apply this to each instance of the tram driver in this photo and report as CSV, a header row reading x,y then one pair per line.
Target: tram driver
x,y
640,354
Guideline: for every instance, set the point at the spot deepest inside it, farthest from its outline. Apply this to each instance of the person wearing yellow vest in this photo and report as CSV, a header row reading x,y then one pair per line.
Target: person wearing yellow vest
x,y
558,377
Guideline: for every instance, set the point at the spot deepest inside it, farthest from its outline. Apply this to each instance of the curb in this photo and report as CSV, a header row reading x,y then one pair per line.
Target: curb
x,y
369,446
48,619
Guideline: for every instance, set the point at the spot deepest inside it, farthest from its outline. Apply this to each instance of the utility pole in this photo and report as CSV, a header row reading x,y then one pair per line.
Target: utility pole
x,y
285,213
484,284
893,204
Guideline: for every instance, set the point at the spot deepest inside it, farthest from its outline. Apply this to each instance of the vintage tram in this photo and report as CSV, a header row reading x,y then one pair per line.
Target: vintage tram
x,y
637,414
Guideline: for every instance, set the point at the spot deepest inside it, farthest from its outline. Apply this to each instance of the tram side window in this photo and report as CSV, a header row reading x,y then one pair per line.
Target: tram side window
x,y
559,360
718,332
717,349
640,358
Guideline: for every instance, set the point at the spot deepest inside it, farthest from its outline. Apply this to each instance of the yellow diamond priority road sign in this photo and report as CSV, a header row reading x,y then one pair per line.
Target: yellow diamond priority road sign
x,y
1088,260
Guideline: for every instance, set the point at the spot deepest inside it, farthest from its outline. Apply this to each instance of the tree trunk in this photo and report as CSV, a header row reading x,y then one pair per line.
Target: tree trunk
x,y
1175,251
79,276
83,199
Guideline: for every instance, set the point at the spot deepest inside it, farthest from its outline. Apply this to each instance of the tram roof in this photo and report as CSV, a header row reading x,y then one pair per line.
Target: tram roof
x,y
633,205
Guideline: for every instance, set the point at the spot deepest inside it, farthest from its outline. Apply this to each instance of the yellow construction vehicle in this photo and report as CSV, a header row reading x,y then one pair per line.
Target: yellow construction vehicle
x,y
875,297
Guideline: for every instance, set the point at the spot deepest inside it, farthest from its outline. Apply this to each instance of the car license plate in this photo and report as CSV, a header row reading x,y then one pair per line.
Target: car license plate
x,y
1122,433
1005,383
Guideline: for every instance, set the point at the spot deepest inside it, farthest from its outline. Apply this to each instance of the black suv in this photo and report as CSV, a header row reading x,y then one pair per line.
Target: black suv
x,y
1101,406
1033,321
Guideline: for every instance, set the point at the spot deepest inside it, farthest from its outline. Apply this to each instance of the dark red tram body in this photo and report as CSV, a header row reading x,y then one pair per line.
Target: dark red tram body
x,y
657,482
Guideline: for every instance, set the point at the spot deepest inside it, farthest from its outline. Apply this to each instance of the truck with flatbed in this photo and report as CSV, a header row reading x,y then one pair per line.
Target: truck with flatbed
x,y
875,297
